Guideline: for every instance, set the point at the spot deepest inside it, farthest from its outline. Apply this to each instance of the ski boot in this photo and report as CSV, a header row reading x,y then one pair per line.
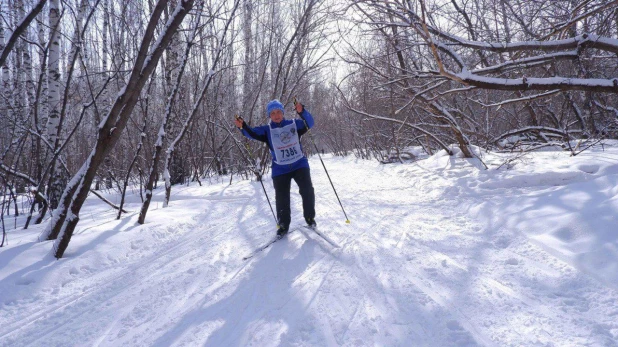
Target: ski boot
x,y
311,223
282,231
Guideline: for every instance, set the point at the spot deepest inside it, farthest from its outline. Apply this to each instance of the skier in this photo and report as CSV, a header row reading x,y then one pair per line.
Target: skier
x,y
288,161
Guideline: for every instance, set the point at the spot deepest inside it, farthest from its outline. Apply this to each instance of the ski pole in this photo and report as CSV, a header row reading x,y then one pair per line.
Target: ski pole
x,y
347,220
259,175
267,199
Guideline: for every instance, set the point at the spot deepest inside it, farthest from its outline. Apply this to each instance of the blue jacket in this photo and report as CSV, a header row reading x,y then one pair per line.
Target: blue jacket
x,y
262,133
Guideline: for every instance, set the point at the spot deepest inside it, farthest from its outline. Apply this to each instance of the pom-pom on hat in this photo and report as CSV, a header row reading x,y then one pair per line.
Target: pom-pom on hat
x,y
274,105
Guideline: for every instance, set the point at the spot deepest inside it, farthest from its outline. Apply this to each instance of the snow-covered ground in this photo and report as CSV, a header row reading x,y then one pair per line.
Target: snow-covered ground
x,y
439,252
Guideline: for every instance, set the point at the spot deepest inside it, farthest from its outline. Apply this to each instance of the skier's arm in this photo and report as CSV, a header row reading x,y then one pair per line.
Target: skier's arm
x,y
307,119
257,133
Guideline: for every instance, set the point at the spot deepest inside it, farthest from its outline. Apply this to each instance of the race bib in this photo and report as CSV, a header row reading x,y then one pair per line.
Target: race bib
x,y
286,144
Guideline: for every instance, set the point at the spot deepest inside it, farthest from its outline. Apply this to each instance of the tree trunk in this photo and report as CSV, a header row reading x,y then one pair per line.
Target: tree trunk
x,y
126,179
160,142
172,147
4,105
114,123
19,29
248,68
56,178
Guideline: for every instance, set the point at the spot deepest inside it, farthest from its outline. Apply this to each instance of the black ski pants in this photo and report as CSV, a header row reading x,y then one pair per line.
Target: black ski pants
x,y
282,185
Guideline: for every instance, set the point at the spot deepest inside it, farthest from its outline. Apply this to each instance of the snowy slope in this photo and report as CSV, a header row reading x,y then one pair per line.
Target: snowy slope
x,y
438,253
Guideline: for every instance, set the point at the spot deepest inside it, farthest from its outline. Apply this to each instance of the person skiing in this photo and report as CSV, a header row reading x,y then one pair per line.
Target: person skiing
x,y
288,161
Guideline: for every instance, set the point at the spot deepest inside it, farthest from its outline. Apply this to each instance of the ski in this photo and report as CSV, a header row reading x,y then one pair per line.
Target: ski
x,y
265,246
326,238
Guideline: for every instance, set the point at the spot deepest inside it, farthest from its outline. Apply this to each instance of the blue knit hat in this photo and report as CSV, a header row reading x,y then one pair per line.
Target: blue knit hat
x,y
274,105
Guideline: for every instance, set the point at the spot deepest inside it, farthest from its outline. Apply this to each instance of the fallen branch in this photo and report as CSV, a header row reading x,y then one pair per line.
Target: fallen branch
x,y
107,201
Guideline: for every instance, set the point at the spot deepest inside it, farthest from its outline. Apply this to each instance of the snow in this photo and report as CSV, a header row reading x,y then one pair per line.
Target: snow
x,y
535,44
539,81
439,252
542,58
609,41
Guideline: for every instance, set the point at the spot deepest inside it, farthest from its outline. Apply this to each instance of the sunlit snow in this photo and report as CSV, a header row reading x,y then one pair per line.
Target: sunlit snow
x,y
439,252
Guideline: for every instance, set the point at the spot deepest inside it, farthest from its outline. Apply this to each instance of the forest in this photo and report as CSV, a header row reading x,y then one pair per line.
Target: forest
x,y
109,94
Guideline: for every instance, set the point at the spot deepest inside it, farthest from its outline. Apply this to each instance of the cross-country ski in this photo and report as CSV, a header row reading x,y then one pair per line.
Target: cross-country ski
x,y
316,230
266,245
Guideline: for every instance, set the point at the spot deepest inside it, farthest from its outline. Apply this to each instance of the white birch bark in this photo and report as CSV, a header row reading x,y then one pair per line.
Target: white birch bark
x,y
28,73
53,72
248,43
43,110
4,73
105,97
275,46
19,77
54,92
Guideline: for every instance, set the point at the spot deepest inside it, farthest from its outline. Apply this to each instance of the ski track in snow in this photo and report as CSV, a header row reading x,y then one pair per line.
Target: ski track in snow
x,y
426,261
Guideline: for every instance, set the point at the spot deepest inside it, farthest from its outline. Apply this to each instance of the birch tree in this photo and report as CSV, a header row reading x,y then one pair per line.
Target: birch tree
x,y
217,55
163,129
149,53
53,129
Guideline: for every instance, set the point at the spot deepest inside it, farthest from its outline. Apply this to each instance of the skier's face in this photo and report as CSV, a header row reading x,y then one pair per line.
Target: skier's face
x,y
276,116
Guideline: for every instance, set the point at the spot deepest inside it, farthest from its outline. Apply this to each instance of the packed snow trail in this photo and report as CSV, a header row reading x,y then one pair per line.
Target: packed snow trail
x,y
430,258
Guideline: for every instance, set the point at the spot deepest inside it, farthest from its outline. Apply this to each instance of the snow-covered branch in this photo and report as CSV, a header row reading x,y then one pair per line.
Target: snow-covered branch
x,y
540,130
607,108
585,40
574,45
20,29
114,206
16,173
525,54
535,83
527,62
526,98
